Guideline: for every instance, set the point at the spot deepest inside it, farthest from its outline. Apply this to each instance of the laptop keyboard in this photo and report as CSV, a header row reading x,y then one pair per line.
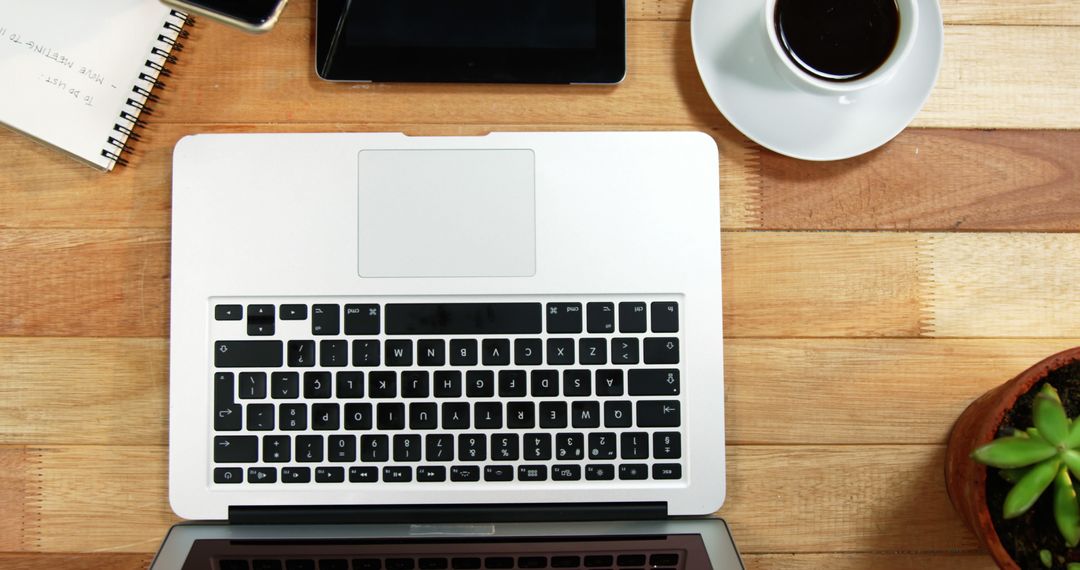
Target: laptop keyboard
x,y
351,391
654,561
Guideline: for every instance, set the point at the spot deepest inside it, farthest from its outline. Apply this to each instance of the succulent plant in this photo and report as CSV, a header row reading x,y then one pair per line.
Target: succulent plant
x,y
1048,453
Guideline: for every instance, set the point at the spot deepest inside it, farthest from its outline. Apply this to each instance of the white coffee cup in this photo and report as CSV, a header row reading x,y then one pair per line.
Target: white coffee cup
x,y
905,40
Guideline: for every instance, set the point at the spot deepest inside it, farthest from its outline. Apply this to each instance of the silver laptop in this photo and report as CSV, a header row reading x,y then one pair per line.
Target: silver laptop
x,y
420,333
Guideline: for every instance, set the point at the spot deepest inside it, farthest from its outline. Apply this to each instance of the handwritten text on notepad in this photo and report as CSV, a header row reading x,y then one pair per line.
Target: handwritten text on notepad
x,y
76,80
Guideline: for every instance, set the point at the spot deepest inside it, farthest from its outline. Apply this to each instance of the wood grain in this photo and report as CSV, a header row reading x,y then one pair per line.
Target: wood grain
x,y
893,561
18,488
74,561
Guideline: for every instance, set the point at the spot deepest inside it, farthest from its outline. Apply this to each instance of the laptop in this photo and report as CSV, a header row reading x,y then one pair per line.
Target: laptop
x,y
396,352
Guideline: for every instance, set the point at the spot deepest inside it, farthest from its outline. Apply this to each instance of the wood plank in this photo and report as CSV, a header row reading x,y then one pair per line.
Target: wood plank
x,y
74,561
115,391
888,561
17,494
932,180
84,283
1003,285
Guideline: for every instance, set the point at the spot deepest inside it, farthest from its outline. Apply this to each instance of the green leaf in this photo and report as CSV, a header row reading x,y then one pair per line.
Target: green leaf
x,y
1012,452
1046,558
1066,509
1072,566
1072,461
1049,416
1024,494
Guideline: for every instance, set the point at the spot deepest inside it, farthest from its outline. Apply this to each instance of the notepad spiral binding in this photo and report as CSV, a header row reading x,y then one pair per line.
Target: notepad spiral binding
x,y
161,57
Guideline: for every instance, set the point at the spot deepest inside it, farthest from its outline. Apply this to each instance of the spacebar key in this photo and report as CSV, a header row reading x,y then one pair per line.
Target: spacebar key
x,y
248,353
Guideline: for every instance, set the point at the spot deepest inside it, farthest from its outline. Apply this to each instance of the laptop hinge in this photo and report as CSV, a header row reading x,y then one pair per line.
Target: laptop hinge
x,y
446,514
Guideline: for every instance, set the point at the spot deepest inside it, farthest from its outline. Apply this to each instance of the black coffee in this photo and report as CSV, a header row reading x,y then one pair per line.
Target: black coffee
x,y
838,40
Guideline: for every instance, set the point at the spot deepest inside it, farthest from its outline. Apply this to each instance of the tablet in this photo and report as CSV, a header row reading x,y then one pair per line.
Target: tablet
x,y
482,41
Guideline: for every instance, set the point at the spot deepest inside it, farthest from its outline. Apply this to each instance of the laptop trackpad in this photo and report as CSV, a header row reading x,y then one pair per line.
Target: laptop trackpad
x,y
447,213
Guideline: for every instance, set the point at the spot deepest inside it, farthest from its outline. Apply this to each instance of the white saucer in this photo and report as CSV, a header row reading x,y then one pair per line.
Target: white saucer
x,y
751,88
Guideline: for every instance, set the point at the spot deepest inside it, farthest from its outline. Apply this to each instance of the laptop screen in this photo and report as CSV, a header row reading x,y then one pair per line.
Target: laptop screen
x,y
676,551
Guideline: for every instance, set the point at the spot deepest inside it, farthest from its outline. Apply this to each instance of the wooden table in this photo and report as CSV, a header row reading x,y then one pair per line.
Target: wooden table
x,y
866,301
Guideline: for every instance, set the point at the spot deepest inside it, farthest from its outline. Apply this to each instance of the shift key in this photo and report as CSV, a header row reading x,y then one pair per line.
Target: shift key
x,y
248,353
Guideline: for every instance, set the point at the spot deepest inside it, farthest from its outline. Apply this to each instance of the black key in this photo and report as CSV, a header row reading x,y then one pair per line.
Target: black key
x,y
511,383
382,384
528,352
367,564
480,383
285,385
333,564
341,448
633,471
227,413
667,445
601,317
329,475
472,447
532,473
292,417
262,475
565,472
366,353
504,447
228,475
665,316
658,413
536,446
609,383
565,561
390,416
577,383
325,417
532,562
399,353
617,415
397,475
415,384
252,385
431,474
236,449
325,320
374,448
634,445
292,312
362,319
260,320
465,563
487,415
439,447
624,351
563,317
295,474
358,416
662,350
309,448
431,352
407,448
545,383
363,475
433,563
465,473
599,472
228,312
585,414
520,415
552,414
569,446
333,352
665,559
455,415
248,353
431,319
350,385
447,384
631,560
499,562
653,382
631,317
599,560
260,417
317,385
498,473
602,445
560,351
592,351
400,564
423,415
496,351
463,352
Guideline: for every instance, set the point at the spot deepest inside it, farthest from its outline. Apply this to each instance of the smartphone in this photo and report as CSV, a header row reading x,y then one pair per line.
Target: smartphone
x,y
254,16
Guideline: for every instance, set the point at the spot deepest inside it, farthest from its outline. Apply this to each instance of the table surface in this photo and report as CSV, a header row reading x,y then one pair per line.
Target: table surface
x,y
866,301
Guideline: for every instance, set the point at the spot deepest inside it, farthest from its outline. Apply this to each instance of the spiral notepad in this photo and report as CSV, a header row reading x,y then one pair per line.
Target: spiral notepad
x,y
79,75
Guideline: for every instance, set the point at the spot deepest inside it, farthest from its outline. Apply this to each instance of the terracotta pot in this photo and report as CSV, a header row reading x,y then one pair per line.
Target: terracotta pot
x,y
964,477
